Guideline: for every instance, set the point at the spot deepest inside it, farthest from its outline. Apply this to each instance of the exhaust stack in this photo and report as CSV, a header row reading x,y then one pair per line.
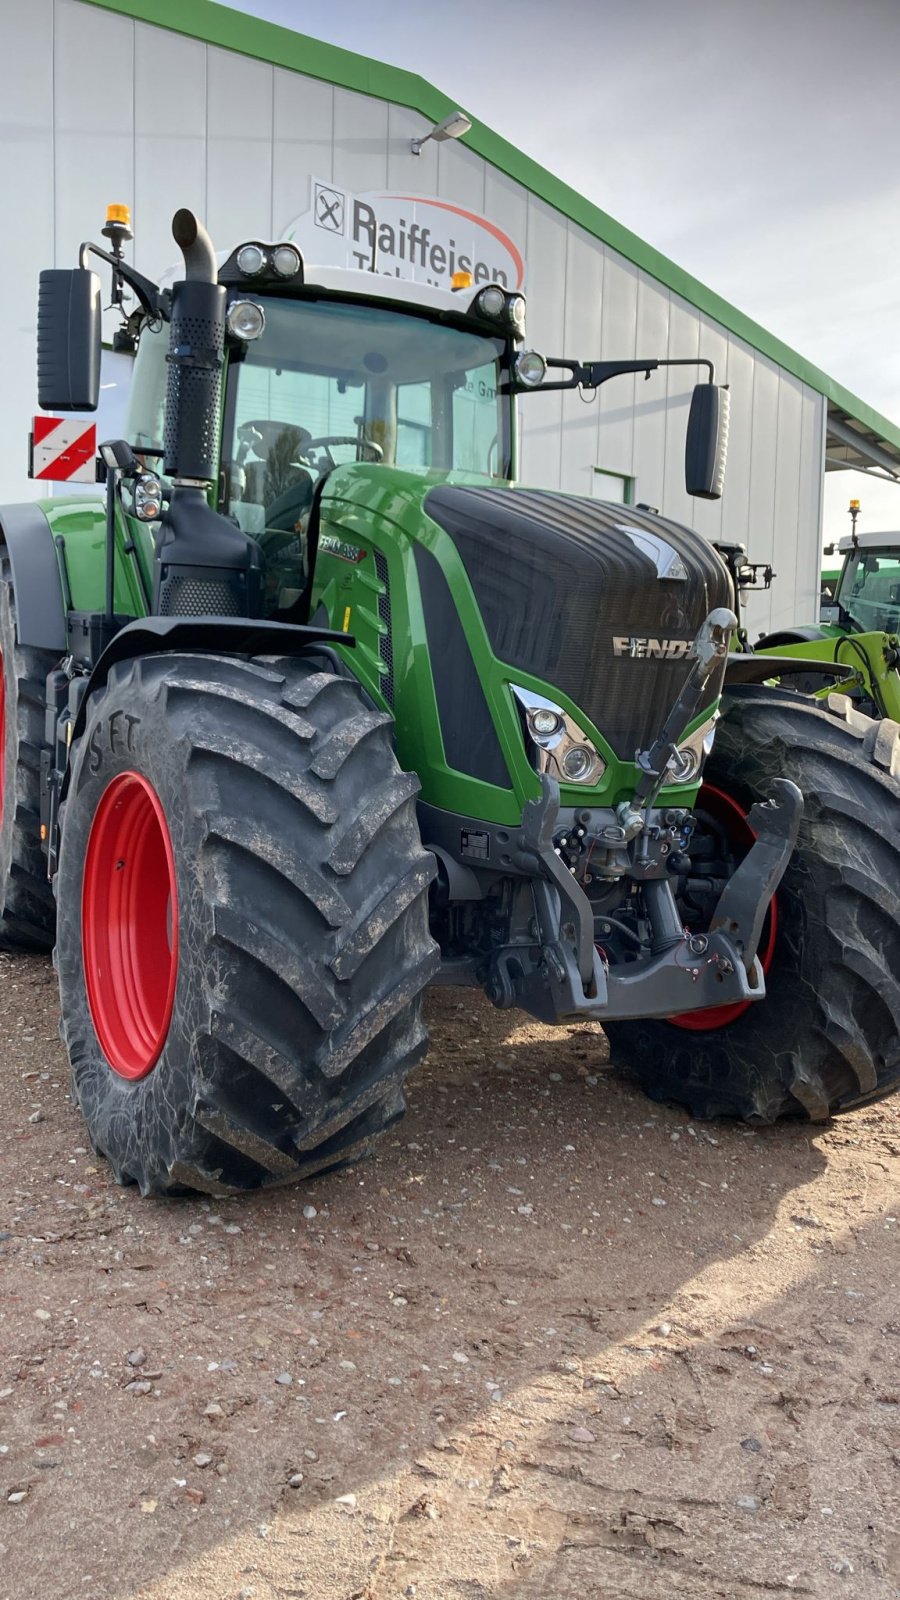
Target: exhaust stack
x,y
205,565
196,356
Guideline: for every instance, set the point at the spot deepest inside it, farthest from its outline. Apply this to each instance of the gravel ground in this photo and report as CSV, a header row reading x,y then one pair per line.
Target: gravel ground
x,y
554,1341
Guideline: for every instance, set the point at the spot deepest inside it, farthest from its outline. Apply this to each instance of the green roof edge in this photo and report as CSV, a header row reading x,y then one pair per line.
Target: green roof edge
x,y
268,41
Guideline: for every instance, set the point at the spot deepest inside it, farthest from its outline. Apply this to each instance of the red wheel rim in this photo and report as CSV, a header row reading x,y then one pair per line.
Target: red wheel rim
x,y
2,732
733,819
129,925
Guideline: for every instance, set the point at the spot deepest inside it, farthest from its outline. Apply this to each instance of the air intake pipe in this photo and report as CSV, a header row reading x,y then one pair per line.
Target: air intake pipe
x,y
196,357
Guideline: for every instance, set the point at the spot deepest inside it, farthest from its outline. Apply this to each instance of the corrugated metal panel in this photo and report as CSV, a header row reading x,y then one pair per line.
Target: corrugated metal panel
x,y
545,253
650,395
785,542
93,62
239,160
460,175
360,141
684,344
618,339
170,143
736,499
26,171
238,139
710,517
582,335
304,144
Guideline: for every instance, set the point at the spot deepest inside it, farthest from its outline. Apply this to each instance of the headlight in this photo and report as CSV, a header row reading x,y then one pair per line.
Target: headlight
x,y
492,301
251,260
556,743
530,369
286,260
515,307
543,721
577,763
686,764
147,497
245,319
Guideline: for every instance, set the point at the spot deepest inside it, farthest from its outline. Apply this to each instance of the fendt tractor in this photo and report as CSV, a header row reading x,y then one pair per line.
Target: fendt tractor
x,y
313,705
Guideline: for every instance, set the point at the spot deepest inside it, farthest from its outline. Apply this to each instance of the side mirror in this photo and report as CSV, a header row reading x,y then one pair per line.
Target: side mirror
x,y
68,340
707,441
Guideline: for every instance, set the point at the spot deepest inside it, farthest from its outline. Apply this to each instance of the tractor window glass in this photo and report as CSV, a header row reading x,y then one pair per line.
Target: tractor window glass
x,y
870,590
475,436
414,425
331,383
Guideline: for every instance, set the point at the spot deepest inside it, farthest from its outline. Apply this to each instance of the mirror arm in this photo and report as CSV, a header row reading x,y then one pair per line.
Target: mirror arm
x,y
152,301
590,374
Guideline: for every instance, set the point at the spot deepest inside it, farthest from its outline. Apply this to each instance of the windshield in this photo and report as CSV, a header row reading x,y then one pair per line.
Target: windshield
x,y
870,590
327,383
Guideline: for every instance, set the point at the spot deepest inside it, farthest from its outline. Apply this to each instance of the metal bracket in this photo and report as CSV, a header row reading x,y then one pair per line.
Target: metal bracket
x,y
745,899
538,825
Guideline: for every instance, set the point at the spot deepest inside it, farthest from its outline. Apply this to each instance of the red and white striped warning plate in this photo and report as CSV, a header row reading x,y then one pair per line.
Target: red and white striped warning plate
x,y
63,449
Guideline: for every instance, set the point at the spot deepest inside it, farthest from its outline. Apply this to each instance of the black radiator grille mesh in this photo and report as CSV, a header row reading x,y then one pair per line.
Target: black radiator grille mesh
x,y
385,643
557,579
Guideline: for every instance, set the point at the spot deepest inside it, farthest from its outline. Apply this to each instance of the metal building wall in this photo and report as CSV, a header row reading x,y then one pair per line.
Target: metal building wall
x,y
96,107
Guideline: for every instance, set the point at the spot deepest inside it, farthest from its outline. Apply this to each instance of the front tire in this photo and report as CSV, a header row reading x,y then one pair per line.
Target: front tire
x,y
27,910
243,937
827,1034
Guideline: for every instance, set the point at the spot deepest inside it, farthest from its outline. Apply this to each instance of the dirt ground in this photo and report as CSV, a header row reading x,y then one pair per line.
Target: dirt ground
x,y
554,1341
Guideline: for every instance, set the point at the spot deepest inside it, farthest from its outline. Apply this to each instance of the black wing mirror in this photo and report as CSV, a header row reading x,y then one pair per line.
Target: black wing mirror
x,y
68,340
707,441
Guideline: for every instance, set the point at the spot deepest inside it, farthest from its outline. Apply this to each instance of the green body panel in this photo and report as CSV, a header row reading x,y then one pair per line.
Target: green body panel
x,y
868,653
366,508
81,523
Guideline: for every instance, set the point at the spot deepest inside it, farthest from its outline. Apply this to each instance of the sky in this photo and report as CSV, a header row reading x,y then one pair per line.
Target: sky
x,y
754,142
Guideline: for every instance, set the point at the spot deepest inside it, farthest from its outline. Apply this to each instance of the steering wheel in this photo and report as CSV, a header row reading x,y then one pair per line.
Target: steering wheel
x,y
371,450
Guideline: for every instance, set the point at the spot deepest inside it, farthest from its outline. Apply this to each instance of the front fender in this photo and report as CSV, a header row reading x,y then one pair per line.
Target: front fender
x,y
238,636
40,598
760,668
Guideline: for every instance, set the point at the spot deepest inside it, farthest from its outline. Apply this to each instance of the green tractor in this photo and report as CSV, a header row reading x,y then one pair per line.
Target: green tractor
x,y
314,706
859,629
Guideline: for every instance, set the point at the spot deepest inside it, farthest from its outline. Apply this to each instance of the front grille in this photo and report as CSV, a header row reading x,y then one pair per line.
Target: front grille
x,y
557,579
385,643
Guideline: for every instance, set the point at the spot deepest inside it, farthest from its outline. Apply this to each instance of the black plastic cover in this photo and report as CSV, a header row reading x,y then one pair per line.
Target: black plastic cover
x,y
467,729
68,340
706,445
564,585
205,565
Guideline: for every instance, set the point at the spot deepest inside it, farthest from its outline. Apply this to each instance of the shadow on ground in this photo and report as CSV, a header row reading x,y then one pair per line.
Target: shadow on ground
x,y
554,1340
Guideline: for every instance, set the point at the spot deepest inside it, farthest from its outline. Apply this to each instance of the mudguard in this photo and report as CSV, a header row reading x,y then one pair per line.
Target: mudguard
x,y
221,635
758,669
40,606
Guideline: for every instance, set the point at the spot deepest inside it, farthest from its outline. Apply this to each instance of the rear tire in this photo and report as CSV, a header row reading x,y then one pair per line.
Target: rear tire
x,y
827,1035
256,1008
27,910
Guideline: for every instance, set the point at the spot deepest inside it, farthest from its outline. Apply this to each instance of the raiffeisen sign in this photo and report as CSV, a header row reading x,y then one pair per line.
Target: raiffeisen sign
x,y
409,236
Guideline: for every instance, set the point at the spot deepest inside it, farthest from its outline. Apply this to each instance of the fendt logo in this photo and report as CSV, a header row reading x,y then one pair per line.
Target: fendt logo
x,y
647,649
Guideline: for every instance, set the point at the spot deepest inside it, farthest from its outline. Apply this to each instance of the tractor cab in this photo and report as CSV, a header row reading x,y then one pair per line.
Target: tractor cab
x,y
328,366
867,595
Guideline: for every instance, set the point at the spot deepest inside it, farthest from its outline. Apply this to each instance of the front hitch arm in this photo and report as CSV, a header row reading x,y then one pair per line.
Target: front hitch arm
x,y
747,895
538,822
